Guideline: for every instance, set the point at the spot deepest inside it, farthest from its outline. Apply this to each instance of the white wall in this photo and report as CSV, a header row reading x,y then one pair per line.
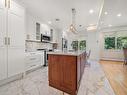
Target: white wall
x,y
93,45
112,54
91,38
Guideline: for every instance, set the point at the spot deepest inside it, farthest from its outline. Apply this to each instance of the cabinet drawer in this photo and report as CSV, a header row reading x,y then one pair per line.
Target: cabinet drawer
x,y
32,65
33,59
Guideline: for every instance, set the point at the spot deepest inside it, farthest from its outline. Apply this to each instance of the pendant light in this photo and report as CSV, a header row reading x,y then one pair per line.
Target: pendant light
x,y
72,26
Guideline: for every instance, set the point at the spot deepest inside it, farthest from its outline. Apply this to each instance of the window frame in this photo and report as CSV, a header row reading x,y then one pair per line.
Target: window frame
x,y
116,43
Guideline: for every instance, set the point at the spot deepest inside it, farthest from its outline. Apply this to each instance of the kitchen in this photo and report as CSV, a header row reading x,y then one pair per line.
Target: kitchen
x,y
56,47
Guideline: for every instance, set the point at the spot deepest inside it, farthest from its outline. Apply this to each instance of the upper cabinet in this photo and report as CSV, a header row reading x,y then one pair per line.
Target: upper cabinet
x,y
45,30
35,28
38,34
2,4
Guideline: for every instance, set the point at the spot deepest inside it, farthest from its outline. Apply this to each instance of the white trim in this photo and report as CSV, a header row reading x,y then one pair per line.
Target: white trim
x,y
111,59
11,79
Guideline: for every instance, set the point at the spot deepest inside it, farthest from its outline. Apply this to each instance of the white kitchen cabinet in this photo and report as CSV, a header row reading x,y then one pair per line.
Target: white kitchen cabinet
x,y
16,30
3,63
16,64
45,30
16,36
3,52
31,27
12,39
34,60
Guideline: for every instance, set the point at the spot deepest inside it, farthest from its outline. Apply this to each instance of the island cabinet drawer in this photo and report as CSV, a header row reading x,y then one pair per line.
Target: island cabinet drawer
x,y
33,59
32,65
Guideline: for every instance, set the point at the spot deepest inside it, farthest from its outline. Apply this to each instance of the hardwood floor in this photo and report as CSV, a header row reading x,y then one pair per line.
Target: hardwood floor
x,y
117,76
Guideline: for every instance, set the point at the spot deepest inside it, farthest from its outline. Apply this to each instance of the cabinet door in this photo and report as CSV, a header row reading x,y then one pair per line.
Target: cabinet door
x,y
3,49
82,64
16,25
54,70
2,4
69,79
78,70
16,47
15,61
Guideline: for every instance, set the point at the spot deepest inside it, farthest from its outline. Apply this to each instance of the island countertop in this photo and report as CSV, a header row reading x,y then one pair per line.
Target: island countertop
x,y
77,53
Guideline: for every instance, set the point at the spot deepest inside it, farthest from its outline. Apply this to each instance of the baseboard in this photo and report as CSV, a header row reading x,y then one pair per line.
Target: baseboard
x,y
34,69
108,59
11,79
17,77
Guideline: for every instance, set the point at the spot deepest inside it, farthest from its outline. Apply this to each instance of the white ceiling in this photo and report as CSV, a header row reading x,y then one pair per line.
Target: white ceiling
x,y
49,10
114,7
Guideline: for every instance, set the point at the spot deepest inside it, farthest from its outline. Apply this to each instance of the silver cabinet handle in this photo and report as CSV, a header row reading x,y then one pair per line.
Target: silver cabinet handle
x,y
5,41
5,3
32,65
8,40
33,59
9,3
32,53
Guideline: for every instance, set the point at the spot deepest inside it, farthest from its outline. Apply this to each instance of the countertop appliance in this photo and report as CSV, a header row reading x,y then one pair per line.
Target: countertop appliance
x,y
45,38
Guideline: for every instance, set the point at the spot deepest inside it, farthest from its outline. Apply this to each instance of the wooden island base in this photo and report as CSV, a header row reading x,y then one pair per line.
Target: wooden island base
x,y
65,71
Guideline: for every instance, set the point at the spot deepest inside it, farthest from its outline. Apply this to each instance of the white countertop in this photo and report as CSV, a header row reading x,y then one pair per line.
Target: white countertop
x,y
77,53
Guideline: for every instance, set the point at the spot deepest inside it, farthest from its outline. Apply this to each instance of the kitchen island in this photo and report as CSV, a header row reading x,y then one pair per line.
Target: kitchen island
x,y
66,70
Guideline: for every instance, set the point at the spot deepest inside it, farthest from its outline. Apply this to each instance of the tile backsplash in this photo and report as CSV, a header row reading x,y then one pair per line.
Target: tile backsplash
x,y
33,46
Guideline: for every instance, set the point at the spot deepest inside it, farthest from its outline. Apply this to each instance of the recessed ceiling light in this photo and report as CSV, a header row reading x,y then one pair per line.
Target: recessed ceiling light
x,y
91,11
49,22
91,24
91,28
109,25
119,15
106,13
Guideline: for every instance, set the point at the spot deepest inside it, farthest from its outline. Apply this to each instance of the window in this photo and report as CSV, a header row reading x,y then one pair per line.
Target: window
x,y
121,41
82,45
115,42
74,45
109,43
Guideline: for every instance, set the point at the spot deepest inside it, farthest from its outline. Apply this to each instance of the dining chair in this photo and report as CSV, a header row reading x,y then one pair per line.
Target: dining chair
x,y
88,56
125,57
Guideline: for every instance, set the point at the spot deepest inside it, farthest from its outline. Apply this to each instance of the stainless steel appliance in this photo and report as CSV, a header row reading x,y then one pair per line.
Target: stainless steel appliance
x,y
45,55
45,38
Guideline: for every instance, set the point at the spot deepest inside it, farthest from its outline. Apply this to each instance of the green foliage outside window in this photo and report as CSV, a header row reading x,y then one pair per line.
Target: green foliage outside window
x,y
82,45
109,43
75,45
115,43
121,42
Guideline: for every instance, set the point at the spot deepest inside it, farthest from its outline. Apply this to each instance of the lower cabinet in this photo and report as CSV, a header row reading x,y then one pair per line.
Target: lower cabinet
x,y
68,78
34,60
15,61
54,70
3,63
78,70
65,72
